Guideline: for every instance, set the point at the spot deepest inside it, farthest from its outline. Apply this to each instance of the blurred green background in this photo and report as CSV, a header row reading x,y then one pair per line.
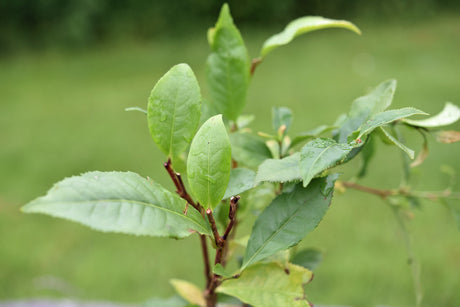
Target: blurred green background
x,y
69,68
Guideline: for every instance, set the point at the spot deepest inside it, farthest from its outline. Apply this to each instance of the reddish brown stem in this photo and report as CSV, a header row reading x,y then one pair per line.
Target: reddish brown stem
x,y
255,62
219,241
378,192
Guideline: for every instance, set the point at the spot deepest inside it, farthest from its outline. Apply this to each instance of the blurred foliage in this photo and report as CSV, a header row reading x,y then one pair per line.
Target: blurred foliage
x,y
78,23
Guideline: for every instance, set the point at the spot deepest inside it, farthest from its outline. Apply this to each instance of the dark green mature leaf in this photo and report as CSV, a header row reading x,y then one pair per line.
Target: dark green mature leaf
x,y
241,180
386,117
173,111
303,25
309,258
449,115
121,202
319,155
287,220
281,116
394,141
270,285
209,162
365,107
280,170
227,67
248,149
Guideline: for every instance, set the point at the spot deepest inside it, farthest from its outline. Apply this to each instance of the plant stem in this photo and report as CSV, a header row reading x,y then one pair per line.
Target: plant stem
x,y
255,62
378,192
182,192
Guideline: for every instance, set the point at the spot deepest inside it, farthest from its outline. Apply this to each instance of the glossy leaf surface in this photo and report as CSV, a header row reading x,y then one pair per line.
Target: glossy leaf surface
x,y
241,180
227,68
449,115
121,202
365,107
173,111
287,220
270,285
319,155
303,25
280,170
248,149
209,162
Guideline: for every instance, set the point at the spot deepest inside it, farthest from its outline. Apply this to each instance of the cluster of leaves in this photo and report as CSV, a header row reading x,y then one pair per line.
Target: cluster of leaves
x,y
287,182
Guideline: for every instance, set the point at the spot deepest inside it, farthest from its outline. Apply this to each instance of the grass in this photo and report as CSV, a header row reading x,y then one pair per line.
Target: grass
x,y
62,114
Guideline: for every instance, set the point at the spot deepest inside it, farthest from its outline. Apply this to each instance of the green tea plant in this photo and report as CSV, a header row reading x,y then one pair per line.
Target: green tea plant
x,y
227,173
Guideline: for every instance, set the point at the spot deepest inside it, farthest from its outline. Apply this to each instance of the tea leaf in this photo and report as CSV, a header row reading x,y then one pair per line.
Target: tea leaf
x,y
270,285
173,110
308,258
448,137
287,220
394,141
227,67
303,25
319,155
363,108
248,149
241,180
190,292
281,116
121,202
209,162
280,170
449,115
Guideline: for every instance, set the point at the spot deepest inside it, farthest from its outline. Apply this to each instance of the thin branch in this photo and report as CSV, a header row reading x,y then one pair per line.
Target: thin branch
x,y
207,266
231,215
378,192
219,241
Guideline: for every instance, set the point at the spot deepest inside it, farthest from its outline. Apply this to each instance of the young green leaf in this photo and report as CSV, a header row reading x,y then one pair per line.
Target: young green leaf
x,y
241,180
227,67
311,134
280,170
365,107
209,162
121,202
190,292
449,115
394,141
386,117
319,155
309,258
173,111
220,270
287,220
281,116
270,285
303,25
248,149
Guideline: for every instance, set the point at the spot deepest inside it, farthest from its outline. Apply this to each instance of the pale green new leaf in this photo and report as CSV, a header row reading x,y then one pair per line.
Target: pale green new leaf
x,y
303,25
393,140
220,270
270,285
365,107
449,115
241,180
319,155
248,149
190,292
209,162
386,117
227,67
280,170
173,111
121,202
287,220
